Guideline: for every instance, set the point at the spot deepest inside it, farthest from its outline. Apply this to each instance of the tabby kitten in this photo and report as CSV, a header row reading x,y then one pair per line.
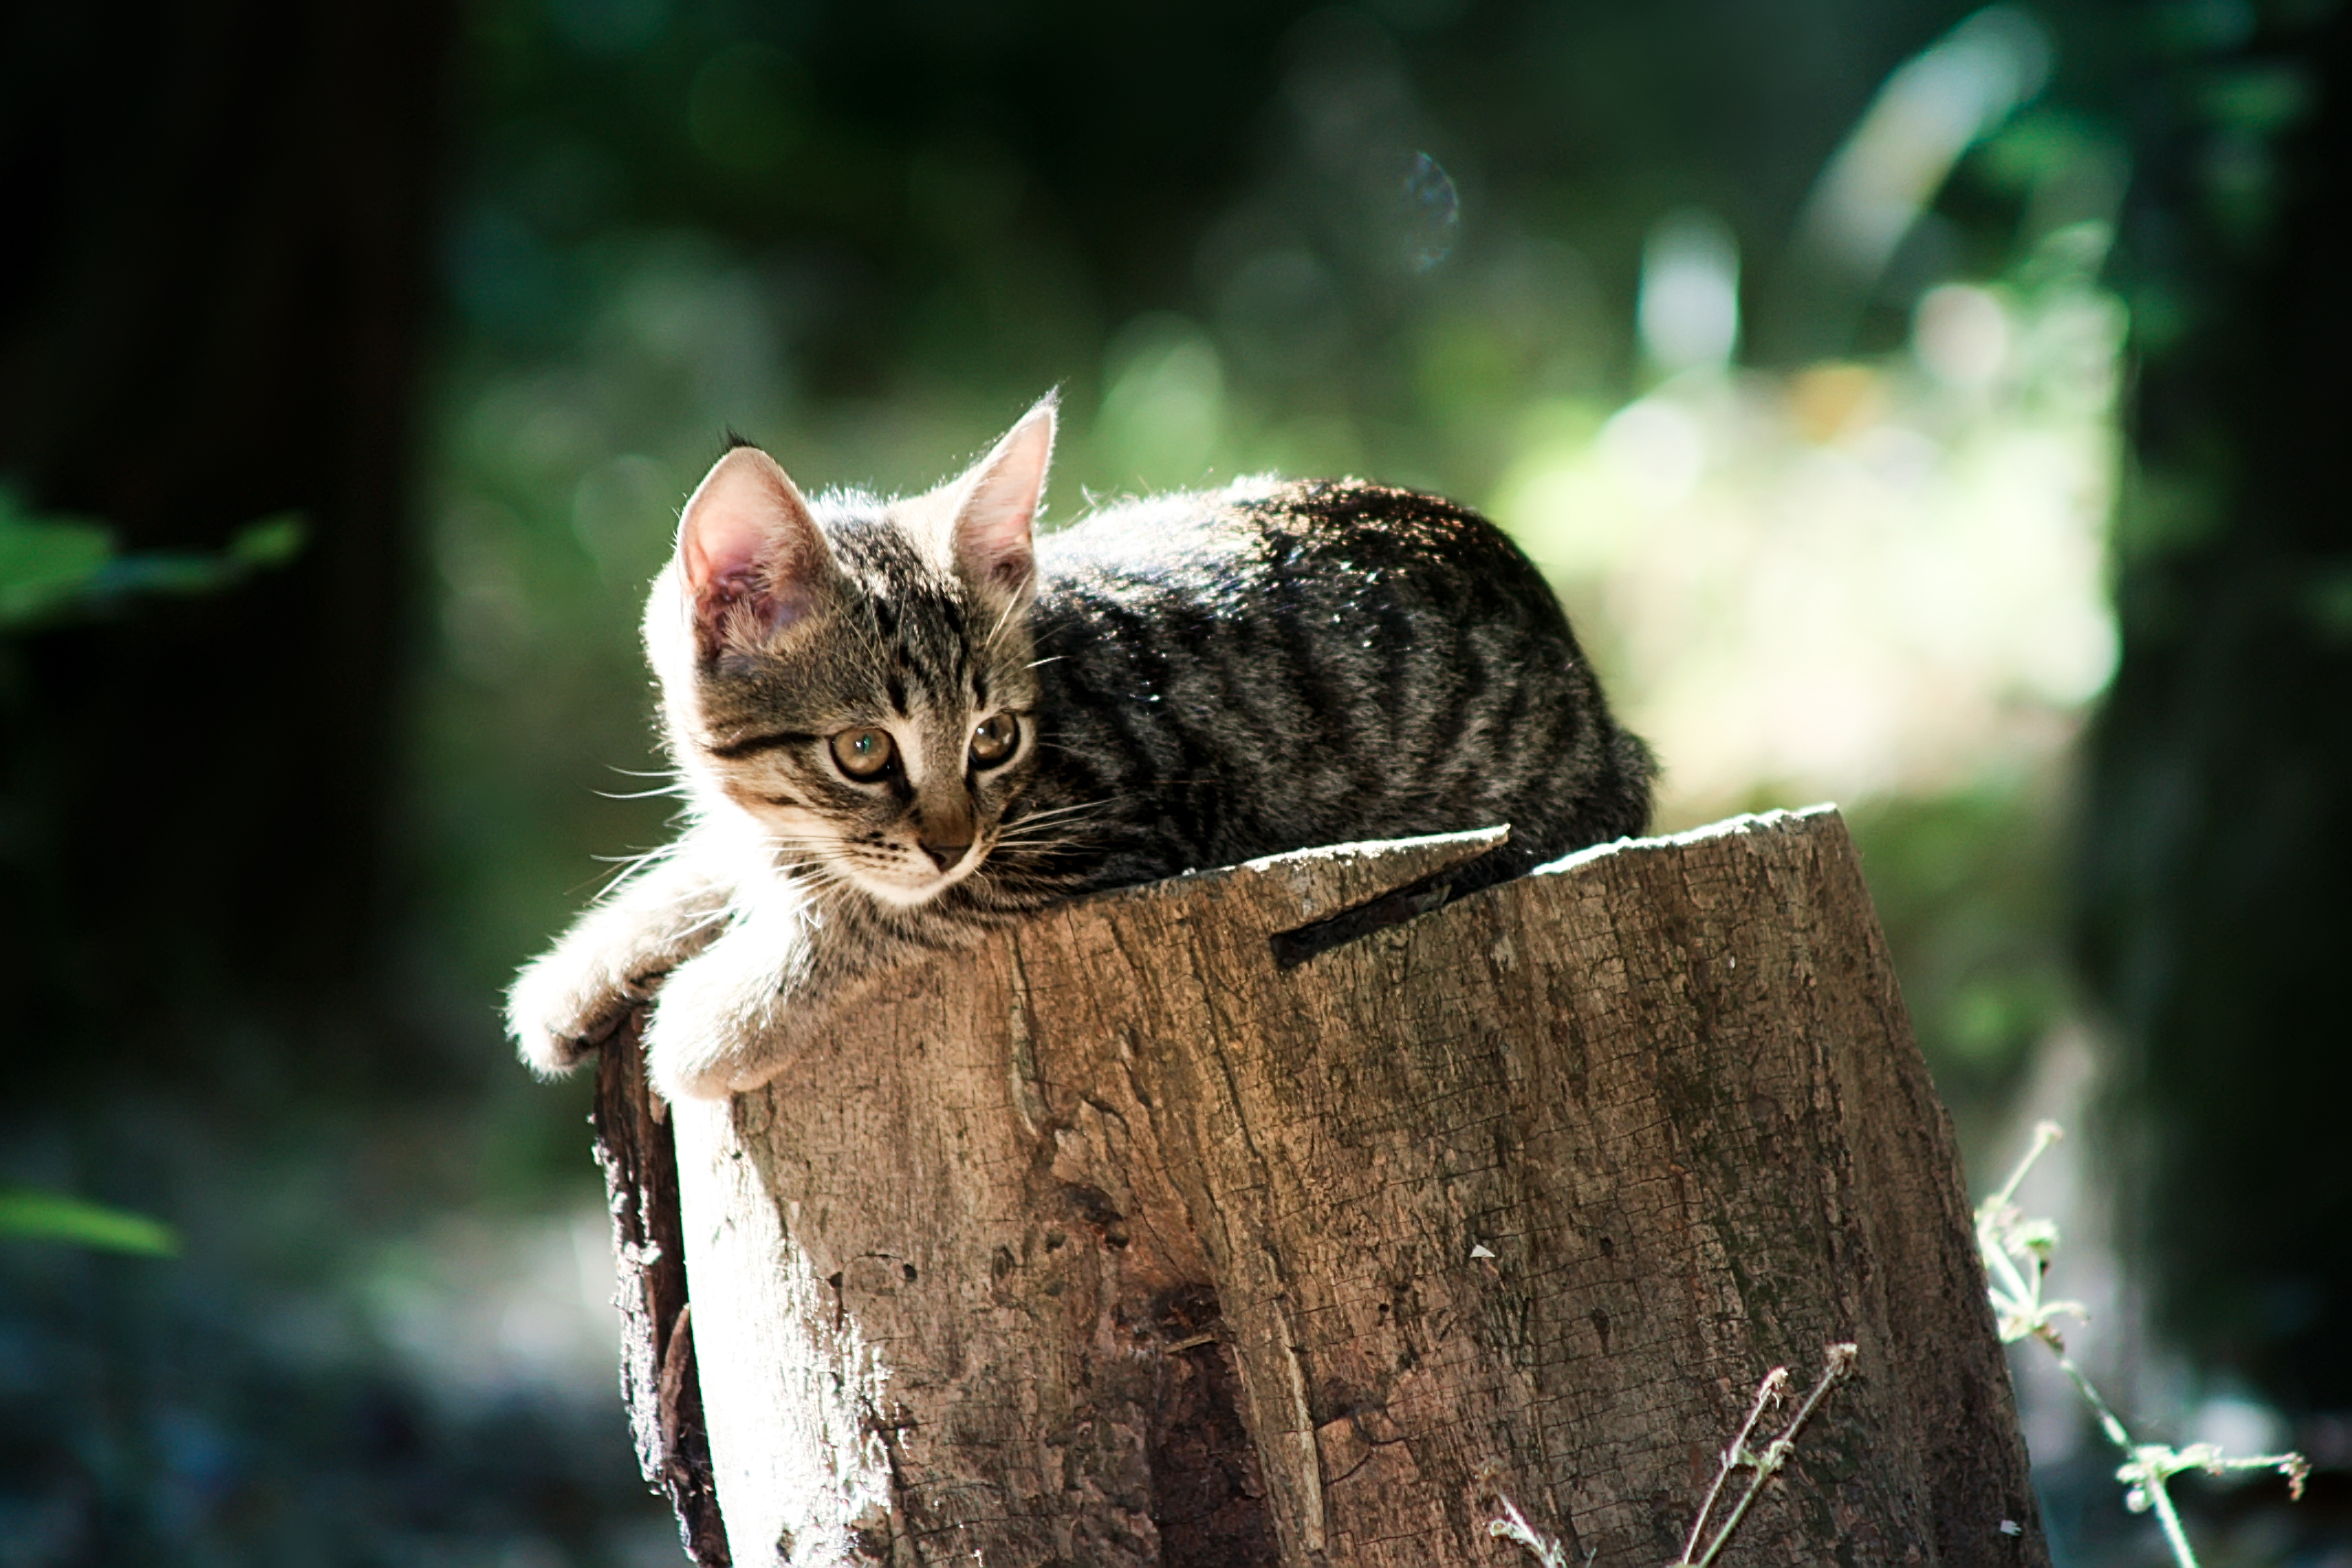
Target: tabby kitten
x,y
899,723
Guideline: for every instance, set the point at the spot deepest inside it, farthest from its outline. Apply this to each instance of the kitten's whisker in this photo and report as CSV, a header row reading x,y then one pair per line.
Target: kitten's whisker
x,y
1071,827
812,858
718,916
1029,843
1014,832
1052,812
1029,832
687,898
1003,619
1050,838
627,866
872,637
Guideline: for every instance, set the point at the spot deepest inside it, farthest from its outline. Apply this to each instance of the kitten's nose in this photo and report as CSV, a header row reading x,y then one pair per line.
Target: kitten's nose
x,y
945,855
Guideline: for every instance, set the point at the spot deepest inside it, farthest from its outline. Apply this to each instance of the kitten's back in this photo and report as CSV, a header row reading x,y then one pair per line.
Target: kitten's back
x,y
1278,665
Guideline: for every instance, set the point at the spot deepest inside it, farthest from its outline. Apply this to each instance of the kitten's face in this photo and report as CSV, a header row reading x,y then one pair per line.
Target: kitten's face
x,y
856,678
886,746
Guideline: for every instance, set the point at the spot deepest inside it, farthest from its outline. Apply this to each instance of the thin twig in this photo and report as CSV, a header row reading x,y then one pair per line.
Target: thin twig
x,y
1514,1526
2003,1236
1768,1463
2045,1133
1766,1393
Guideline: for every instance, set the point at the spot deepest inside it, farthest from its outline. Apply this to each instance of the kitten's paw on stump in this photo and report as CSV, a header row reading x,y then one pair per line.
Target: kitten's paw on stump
x,y
675,1080
706,1037
557,1016
686,1064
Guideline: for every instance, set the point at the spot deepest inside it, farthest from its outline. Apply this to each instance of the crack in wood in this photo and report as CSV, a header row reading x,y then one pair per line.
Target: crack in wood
x,y
1422,896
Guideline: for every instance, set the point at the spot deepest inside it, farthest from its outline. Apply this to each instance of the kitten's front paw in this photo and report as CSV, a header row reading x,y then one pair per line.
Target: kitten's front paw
x,y
674,1077
559,1011
708,1034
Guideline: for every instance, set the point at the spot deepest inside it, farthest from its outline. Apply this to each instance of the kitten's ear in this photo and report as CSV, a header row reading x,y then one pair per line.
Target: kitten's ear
x,y
751,557
996,504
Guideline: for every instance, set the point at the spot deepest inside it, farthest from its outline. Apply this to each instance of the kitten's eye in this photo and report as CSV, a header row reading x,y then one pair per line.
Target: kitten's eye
x,y
994,738
864,753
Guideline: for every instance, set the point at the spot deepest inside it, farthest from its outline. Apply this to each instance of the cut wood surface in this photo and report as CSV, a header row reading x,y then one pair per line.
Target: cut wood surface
x,y
1119,1240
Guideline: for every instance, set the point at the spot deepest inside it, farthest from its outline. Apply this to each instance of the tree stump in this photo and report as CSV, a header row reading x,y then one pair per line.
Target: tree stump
x,y
1263,1217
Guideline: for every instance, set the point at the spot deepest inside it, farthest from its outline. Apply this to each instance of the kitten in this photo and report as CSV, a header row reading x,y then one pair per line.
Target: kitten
x,y
899,723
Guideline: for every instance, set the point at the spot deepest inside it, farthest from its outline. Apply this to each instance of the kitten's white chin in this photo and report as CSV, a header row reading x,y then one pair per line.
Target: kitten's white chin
x,y
914,895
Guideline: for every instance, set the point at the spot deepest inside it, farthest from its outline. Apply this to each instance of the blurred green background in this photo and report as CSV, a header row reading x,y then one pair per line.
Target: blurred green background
x,y
1932,408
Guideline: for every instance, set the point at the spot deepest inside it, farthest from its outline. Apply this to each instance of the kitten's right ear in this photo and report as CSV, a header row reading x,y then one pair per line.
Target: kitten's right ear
x,y
751,557
996,504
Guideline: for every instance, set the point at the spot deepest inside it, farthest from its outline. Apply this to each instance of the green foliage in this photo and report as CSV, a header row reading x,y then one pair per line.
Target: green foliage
x,y
1970,887
46,562
54,566
50,1216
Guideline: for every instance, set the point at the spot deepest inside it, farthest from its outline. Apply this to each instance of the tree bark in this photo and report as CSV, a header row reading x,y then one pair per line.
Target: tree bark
x,y
658,1380
1157,1231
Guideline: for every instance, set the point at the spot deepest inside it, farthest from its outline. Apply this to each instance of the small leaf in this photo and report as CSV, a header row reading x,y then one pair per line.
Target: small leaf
x,y
49,565
272,541
2037,1236
51,1216
46,562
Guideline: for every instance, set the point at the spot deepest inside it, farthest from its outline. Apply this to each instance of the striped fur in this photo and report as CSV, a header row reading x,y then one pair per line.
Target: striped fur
x,y
1198,679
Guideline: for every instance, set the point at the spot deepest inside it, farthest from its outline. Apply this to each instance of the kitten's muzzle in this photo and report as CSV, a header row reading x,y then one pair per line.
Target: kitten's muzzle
x,y
945,826
944,853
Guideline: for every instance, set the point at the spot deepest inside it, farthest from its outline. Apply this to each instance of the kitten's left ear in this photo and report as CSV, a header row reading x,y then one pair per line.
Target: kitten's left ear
x,y
751,559
996,504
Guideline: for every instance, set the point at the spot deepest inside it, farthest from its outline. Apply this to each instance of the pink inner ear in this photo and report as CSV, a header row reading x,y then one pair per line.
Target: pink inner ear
x,y
748,547
721,551
999,507
993,545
